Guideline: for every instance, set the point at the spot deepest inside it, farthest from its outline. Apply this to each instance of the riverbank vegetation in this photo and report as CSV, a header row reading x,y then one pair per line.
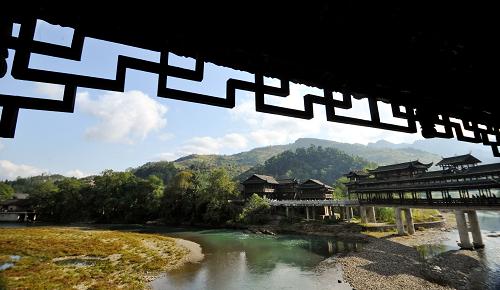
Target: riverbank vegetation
x,y
63,258
190,196
164,192
387,215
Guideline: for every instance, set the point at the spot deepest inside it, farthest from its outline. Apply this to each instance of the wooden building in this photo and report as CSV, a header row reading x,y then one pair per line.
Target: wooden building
x,y
458,162
461,181
400,170
314,189
357,175
287,188
19,202
263,185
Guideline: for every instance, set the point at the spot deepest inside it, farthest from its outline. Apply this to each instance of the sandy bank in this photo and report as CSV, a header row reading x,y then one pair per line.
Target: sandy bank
x,y
195,254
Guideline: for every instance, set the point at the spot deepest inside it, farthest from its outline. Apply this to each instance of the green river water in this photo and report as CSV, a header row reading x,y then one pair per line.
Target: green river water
x,y
238,260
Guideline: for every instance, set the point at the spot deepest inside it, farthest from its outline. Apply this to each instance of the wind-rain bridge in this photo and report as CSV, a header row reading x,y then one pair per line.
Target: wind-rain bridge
x,y
461,185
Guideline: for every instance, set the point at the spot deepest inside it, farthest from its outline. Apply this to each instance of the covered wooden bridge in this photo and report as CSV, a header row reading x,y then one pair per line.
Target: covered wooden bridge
x,y
461,185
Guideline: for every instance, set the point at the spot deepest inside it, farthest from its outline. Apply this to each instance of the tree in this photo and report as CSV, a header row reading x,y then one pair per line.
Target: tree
x,y
67,200
217,195
178,201
163,170
340,191
124,197
256,210
45,200
6,191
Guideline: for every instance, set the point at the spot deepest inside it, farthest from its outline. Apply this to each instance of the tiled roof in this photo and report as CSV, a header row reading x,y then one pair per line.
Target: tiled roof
x,y
457,160
402,166
316,182
266,178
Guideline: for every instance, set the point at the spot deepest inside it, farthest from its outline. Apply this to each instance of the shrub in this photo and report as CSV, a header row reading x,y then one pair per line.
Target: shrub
x,y
255,211
385,214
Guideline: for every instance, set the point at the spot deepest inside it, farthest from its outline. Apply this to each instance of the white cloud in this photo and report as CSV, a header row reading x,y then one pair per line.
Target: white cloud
x,y
1,146
50,91
261,129
123,117
75,173
229,143
210,145
233,140
268,129
9,170
167,156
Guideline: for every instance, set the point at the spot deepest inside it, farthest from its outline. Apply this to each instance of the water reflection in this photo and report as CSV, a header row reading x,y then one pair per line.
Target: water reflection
x,y
235,260
489,276
428,251
10,263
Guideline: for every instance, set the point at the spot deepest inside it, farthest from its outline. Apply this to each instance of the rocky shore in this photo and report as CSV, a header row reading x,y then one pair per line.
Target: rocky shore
x,y
393,262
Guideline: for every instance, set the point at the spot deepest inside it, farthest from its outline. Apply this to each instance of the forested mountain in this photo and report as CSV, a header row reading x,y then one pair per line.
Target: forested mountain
x,y
443,147
379,155
26,185
325,164
238,163
163,169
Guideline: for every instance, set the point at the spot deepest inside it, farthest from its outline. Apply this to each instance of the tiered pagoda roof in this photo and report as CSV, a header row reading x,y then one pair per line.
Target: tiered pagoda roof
x,y
466,159
401,167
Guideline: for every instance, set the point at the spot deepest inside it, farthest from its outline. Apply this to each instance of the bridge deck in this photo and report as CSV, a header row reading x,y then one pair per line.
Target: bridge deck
x,y
461,204
326,202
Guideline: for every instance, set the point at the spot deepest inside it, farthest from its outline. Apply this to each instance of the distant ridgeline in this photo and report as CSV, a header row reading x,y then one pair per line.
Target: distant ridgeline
x,y
325,164
239,163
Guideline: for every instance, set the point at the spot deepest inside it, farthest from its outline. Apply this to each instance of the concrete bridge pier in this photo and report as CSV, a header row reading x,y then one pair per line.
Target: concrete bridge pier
x,y
477,239
362,213
307,213
314,212
399,221
465,226
348,213
463,231
371,214
286,209
408,218
409,221
342,213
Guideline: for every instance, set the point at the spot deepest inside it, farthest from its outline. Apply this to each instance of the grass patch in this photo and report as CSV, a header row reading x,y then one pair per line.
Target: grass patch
x,y
380,234
107,259
425,215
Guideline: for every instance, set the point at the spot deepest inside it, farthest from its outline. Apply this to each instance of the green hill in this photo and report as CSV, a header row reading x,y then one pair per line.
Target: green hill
x,y
379,155
241,162
325,164
234,164
238,164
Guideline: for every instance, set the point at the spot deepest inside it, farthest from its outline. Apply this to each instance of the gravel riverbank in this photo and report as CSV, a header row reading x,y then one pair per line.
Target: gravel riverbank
x,y
393,263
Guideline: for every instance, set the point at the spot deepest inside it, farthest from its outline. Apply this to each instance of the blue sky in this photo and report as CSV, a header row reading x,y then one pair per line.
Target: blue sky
x,y
111,130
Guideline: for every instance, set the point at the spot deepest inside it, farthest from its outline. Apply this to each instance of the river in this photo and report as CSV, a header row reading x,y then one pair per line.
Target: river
x,y
238,260
489,256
